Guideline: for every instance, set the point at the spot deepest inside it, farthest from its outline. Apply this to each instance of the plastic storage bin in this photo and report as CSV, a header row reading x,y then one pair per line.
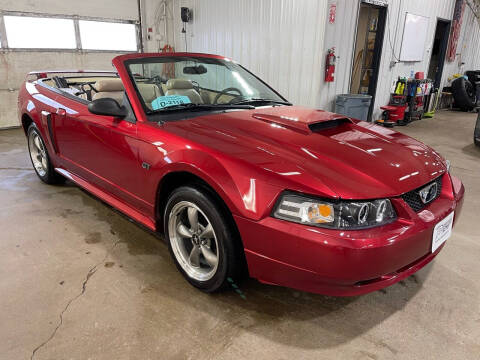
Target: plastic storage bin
x,y
353,105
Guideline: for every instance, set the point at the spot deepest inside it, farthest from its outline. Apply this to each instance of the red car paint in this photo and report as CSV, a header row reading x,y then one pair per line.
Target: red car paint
x,y
249,157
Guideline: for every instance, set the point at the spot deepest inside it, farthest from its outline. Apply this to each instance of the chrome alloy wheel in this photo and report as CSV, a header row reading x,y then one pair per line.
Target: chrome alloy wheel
x,y
193,241
38,153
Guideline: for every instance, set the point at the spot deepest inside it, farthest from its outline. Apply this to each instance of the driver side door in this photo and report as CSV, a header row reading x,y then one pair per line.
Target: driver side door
x,y
103,150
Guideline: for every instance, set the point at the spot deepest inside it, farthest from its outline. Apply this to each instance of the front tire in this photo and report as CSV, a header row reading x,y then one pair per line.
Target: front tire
x,y
200,240
40,159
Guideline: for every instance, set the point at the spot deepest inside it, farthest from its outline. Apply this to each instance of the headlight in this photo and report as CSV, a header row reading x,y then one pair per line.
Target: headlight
x,y
335,215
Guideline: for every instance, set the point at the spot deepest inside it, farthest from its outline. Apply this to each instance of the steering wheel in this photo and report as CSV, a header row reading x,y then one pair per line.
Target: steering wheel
x,y
225,92
196,85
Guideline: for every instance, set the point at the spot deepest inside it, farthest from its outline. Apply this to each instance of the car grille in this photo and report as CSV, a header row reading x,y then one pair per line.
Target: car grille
x,y
412,198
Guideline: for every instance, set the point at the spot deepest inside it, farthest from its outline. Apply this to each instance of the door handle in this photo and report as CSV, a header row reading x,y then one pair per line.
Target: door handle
x,y
61,112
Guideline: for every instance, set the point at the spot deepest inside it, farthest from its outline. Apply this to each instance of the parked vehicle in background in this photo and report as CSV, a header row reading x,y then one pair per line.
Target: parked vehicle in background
x,y
197,147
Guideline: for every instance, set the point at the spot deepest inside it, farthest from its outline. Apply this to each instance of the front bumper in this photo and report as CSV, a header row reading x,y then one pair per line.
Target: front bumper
x,y
346,263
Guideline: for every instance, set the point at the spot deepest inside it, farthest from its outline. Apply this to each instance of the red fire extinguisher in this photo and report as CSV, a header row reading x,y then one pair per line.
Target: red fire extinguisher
x,y
330,65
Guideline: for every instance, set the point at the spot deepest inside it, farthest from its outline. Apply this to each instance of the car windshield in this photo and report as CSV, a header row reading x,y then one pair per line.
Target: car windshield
x,y
190,83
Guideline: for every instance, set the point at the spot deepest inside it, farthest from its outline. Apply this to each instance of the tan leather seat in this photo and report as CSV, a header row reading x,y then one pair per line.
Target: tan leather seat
x,y
205,96
113,88
149,92
183,87
109,88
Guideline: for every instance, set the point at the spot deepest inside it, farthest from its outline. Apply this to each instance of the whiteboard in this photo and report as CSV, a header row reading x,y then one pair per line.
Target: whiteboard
x,y
414,37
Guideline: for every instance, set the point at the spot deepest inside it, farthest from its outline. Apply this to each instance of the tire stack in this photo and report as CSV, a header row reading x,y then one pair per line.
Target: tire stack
x,y
466,93
474,78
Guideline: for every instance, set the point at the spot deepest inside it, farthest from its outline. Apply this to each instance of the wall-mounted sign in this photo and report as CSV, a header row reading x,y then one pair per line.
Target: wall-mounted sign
x,y
376,2
332,13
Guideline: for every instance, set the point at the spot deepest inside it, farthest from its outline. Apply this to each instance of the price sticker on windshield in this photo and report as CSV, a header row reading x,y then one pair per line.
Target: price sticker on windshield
x,y
162,102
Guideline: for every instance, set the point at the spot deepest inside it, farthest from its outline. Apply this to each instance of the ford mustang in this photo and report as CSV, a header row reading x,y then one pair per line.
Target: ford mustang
x,y
238,179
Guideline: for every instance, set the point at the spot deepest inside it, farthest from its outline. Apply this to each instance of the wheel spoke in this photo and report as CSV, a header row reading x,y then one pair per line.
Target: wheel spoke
x,y
211,258
183,231
193,218
36,141
44,163
194,257
207,233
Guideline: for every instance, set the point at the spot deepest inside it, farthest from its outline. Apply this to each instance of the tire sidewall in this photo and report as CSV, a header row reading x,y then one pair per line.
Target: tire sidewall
x,y
225,248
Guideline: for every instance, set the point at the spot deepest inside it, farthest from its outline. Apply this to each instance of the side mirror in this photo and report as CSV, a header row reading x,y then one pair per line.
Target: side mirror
x,y
107,106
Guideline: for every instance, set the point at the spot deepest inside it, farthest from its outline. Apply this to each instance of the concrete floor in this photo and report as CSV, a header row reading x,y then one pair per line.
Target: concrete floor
x,y
80,281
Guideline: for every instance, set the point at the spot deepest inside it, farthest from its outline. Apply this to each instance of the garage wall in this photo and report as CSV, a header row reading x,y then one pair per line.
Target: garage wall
x,y
277,40
468,44
14,65
432,9
285,42
342,35
111,9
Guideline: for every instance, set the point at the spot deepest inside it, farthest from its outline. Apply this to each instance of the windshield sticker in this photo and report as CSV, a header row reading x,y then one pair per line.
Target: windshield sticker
x,y
170,100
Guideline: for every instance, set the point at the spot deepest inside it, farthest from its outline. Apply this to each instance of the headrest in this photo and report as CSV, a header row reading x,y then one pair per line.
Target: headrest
x,y
148,91
114,84
179,84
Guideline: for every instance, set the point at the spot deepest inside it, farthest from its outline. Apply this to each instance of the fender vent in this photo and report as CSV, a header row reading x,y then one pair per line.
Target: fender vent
x,y
330,124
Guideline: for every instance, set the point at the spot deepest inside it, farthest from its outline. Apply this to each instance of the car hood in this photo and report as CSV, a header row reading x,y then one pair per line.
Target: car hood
x,y
317,151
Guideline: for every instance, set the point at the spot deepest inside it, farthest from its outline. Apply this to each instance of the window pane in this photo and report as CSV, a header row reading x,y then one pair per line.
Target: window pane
x,y
97,35
39,33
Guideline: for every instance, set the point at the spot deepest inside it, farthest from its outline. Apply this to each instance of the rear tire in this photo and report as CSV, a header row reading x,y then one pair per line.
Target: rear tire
x,y
40,159
202,244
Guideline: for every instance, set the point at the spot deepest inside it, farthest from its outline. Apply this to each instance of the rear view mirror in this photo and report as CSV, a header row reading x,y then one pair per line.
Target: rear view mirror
x,y
195,70
107,106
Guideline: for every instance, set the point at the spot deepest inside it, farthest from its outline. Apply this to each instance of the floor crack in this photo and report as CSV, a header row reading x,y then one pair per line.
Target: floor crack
x,y
90,273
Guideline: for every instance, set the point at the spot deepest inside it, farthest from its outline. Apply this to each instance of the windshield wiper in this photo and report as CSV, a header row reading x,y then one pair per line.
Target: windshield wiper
x,y
261,100
195,107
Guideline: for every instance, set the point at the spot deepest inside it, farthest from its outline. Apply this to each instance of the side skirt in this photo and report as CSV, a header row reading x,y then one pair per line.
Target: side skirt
x,y
109,199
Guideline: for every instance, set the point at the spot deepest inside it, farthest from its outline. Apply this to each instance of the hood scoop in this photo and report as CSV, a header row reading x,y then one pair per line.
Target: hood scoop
x,y
302,120
329,124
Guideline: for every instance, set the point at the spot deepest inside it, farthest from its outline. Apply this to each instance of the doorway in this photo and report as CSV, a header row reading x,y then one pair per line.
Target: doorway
x,y
368,50
439,50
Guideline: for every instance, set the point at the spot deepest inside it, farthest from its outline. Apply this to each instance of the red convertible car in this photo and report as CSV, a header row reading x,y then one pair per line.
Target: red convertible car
x,y
198,148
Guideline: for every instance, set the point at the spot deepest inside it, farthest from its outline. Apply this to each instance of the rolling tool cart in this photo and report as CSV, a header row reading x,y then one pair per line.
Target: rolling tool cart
x,y
407,102
394,111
